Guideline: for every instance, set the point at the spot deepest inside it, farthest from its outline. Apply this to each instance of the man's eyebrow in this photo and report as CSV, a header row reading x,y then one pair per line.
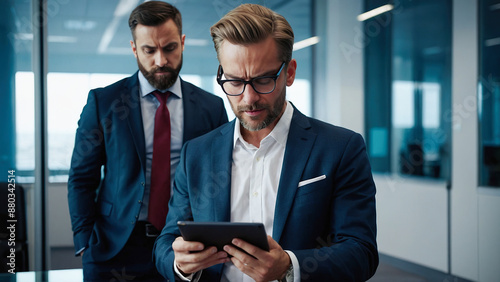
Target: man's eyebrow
x,y
147,46
154,47
268,73
230,76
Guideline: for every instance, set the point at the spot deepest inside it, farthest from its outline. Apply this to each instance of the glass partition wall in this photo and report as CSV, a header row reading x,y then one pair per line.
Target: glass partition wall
x,y
408,88
489,93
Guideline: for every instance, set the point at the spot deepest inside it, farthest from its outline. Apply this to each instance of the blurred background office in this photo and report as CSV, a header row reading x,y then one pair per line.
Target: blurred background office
x,y
420,79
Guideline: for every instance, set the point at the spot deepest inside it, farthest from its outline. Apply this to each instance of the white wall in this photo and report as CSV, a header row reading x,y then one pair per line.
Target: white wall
x,y
488,234
339,95
464,208
59,222
412,220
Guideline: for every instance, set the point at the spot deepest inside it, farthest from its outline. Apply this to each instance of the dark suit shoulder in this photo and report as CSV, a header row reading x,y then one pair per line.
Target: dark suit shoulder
x,y
224,131
117,87
126,89
193,91
323,129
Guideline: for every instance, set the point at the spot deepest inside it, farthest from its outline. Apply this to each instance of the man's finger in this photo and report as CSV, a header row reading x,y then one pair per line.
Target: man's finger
x,y
180,245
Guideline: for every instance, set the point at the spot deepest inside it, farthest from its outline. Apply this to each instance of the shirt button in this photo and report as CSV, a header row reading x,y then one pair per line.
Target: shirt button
x,y
139,201
142,183
258,159
255,194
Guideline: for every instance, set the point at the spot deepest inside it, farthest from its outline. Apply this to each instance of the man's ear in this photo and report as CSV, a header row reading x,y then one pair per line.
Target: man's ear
x,y
134,49
183,38
290,72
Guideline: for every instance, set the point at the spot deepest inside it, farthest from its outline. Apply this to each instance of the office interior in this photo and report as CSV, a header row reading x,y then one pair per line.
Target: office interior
x,y
420,80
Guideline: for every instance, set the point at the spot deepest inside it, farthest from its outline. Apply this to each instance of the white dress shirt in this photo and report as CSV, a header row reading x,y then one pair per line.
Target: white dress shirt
x,y
149,104
255,177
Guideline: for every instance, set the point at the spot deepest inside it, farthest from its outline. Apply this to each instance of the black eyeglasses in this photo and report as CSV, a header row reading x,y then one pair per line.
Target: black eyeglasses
x,y
262,84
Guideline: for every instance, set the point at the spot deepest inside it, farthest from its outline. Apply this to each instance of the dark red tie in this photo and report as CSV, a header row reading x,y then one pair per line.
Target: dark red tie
x,y
160,167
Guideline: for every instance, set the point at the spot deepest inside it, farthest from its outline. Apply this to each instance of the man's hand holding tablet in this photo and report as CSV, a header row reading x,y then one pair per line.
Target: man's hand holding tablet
x,y
204,244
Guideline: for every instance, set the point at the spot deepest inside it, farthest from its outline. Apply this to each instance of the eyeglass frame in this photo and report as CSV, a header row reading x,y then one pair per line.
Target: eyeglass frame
x,y
220,81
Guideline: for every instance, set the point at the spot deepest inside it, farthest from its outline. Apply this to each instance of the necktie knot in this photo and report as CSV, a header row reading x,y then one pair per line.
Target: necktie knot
x,y
162,97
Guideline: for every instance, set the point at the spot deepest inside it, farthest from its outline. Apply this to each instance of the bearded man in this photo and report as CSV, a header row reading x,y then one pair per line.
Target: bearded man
x,y
308,182
127,148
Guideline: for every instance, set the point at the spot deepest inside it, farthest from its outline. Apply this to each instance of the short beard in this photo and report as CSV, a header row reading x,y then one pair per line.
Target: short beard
x,y
162,82
273,113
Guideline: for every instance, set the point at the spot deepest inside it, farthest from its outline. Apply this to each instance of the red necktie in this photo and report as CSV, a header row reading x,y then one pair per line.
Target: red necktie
x,y
160,167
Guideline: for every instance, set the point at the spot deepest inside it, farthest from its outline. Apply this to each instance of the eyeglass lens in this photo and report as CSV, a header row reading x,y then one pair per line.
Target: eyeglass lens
x,y
260,85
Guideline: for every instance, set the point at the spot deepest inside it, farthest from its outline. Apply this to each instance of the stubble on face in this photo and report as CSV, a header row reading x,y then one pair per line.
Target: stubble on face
x,y
273,112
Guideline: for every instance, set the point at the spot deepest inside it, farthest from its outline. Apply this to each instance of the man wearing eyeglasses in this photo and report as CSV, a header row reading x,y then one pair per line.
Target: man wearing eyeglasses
x,y
307,181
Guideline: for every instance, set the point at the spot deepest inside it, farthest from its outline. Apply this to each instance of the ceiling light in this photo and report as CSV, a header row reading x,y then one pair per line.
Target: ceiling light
x,y
305,43
375,12
50,38
80,25
492,42
125,7
62,39
495,7
24,36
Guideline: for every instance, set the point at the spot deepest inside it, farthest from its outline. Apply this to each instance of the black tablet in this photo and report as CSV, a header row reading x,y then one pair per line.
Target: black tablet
x,y
220,234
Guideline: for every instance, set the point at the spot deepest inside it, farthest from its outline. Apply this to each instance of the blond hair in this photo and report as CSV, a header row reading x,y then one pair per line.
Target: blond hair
x,y
252,23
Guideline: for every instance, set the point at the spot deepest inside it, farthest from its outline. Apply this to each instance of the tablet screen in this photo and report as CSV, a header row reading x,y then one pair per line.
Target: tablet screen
x,y
222,233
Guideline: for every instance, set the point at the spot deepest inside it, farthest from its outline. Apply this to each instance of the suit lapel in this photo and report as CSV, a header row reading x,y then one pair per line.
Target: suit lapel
x,y
131,100
299,145
221,152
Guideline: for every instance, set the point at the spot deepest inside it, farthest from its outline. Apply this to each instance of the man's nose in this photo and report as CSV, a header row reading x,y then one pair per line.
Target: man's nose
x,y
250,96
160,59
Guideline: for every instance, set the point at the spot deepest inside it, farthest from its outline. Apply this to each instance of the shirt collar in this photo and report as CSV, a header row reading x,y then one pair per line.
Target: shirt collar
x,y
279,132
147,88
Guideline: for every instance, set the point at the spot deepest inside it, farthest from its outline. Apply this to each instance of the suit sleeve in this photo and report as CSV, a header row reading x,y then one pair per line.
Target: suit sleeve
x,y
349,253
85,173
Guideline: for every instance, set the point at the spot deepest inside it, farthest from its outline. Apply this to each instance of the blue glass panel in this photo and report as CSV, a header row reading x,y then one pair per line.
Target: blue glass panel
x,y
489,93
408,88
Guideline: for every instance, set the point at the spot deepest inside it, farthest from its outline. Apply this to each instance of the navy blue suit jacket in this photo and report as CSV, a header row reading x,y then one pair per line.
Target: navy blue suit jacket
x,y
105,202
330,224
